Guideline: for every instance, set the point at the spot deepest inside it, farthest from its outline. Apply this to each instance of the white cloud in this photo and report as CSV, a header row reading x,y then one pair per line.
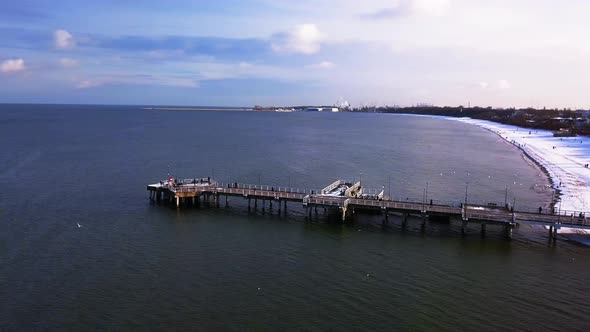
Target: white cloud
x,y
323,65
304,39
87,84
504,84
431,7
215,70
140,79
402,8
245,65
163,54
498,85
12,66
63,39
68,63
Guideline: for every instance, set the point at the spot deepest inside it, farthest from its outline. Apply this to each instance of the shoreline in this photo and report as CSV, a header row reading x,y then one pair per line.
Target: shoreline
x,y
562,176
561,159
554,198
533,146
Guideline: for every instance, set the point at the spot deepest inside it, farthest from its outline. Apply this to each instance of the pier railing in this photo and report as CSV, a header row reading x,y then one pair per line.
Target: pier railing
x,y
266,188
564,218
324,201
483,210
188,188
260,193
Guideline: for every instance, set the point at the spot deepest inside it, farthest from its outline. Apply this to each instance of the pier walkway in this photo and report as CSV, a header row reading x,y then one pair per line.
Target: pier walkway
x,y
349,197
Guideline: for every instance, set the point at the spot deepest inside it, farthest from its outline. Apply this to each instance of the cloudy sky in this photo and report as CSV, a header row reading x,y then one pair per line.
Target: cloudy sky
x,y
272,52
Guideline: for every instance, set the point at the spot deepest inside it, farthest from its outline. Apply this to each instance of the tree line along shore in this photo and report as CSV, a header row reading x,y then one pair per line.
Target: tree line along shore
x,y
563,122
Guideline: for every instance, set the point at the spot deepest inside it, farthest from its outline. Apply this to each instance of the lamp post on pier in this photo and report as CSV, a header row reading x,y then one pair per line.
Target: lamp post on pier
x,y
506,197
423,200
514,204
361,179
559,215
401,183
466,187
389,187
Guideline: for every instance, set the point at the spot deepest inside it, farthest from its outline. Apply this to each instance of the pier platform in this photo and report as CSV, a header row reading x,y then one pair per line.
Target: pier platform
x,y
349,197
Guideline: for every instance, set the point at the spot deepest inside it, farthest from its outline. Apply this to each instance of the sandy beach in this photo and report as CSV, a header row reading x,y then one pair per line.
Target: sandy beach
x,y
563,158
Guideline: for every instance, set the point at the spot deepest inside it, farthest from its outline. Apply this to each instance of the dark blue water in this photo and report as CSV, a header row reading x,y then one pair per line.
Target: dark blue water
x,y
132,265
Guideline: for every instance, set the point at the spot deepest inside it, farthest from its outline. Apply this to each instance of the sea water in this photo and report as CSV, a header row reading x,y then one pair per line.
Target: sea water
x,y
82,248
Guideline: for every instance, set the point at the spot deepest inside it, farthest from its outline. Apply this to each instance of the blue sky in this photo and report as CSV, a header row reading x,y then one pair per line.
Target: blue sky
x,y
278,52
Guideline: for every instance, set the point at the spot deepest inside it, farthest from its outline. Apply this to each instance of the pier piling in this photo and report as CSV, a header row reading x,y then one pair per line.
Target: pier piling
x,y
185,194
508,231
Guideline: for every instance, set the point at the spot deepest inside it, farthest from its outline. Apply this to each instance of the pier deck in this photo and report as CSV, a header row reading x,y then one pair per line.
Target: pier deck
x,y
353,199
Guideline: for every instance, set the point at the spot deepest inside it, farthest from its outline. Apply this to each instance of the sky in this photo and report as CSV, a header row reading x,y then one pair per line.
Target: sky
x,y
500,53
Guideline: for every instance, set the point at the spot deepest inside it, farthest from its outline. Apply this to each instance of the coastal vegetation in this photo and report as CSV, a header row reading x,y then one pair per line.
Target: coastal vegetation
x,y
561,121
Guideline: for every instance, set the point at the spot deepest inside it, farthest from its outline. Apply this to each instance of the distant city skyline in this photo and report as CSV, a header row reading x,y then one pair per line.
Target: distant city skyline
x,y
278,52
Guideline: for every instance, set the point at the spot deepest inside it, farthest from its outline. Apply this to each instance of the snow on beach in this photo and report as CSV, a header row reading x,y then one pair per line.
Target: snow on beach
x,y
564,158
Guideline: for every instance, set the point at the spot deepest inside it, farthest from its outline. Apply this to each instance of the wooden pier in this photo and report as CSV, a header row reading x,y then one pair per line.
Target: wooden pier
x,y
349,197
